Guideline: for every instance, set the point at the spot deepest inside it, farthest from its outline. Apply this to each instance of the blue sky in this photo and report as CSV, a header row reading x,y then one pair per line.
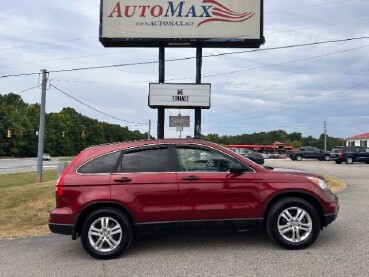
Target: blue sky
x,y
294,89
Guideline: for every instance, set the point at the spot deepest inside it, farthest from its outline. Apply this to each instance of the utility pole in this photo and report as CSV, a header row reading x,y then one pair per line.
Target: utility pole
x,y
41,130
148,134
325,136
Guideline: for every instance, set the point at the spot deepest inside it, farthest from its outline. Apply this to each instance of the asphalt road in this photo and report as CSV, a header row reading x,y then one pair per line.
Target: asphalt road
x,y
342,249
25,164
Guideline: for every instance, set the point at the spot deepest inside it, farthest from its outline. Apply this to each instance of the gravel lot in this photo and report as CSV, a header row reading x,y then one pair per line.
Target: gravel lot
x,y
341,250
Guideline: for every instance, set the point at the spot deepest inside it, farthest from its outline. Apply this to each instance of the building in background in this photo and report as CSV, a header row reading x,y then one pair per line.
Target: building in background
x,y
358,140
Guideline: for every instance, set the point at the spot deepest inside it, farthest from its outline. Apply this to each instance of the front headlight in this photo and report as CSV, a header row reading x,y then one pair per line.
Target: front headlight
x,y
320,182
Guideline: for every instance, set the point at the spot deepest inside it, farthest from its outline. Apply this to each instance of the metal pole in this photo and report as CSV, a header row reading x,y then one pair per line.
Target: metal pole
x,y
161,111
41,130
325,136
148,134
197,127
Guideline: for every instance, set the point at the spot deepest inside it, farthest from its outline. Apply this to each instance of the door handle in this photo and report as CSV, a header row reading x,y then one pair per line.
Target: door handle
x,y
191,178
123,180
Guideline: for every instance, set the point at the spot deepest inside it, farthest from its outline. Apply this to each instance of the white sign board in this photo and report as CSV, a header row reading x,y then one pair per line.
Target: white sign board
x,y
180,95
179,121
213,22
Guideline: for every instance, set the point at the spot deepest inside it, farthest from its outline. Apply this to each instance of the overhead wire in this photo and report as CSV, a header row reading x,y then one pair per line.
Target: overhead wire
x,y
302,104
191,58
92,108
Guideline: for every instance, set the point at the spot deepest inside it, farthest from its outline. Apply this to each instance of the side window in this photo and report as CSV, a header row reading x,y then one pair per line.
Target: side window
x,y
103,164
146,160
201,159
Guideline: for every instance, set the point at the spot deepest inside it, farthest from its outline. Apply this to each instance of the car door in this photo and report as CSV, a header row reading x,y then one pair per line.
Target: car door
x,y
145,182
361,155
209,192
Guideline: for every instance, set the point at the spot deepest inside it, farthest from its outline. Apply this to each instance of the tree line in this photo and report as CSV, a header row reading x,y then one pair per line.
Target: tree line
x,y
295,139
66,132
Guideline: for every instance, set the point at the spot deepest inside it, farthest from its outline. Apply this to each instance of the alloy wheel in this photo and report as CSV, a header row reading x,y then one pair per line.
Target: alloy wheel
x,y
294,224
105,234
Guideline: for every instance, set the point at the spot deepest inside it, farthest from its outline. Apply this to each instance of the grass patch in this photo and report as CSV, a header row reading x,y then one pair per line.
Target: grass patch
x,y
335,184
24,178
25,205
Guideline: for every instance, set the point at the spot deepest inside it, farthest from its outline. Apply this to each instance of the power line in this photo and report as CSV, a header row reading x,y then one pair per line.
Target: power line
x,y
318,26
90,107
311,6
305,92
278,64
86,99
20,92
306,103
191,58
45,43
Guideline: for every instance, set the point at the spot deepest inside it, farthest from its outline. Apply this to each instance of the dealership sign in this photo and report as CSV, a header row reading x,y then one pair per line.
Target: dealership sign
x,y
179,96
179,121
209,23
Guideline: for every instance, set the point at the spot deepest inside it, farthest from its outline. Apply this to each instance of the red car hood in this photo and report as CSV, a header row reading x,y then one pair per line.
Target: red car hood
x,y
293,171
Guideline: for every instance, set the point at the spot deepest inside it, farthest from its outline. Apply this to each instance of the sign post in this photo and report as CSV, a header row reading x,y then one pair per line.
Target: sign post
x,y
185,23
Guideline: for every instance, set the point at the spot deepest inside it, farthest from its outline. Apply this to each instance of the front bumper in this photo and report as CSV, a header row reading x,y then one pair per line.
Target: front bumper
x,y
332,214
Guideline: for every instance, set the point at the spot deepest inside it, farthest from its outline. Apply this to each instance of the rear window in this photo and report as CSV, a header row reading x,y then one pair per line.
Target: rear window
x,y
103,164
146,160
336,149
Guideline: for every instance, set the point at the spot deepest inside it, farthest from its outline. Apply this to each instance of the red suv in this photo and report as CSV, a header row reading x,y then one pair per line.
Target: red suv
x,y
110,193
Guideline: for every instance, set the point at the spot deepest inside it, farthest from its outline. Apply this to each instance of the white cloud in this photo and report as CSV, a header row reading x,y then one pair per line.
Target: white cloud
x,y
291,89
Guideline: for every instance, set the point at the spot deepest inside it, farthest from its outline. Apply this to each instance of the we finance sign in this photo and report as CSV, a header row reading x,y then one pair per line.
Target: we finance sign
x,y
208,23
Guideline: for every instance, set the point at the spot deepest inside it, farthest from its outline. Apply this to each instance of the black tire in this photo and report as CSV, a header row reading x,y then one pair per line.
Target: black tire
x,y
275,219
338,161
349,160
298,158
117,221
327,158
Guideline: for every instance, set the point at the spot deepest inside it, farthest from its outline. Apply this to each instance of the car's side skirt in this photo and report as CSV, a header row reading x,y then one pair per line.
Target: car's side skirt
x,y
227,224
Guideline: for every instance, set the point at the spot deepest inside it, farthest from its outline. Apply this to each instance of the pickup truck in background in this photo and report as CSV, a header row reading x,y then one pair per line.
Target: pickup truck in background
x,y
308,152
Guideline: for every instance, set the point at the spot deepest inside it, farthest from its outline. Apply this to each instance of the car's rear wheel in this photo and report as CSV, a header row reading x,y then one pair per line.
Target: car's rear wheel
x,y
293,223
106,233
338,161
349,160
299,158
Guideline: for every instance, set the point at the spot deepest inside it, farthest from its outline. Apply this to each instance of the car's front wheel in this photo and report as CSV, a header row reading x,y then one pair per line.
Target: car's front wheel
x,y
299,158
106,233
293,223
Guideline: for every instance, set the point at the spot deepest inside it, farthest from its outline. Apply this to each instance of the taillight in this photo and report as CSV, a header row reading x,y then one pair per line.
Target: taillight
x,y
60,182
339,154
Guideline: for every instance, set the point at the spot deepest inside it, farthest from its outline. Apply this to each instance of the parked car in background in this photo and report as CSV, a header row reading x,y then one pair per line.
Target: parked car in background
x,y
308,152
252,155
46,157
350,154
110,193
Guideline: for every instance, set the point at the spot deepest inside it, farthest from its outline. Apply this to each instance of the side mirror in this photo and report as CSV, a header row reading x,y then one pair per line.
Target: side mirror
x,y
237,169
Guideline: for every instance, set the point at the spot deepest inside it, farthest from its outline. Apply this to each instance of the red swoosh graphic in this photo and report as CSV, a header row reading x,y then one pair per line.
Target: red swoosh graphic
x,y
223,14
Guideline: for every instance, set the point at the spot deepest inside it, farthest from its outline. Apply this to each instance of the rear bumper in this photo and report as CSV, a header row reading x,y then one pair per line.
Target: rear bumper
x,y
63,229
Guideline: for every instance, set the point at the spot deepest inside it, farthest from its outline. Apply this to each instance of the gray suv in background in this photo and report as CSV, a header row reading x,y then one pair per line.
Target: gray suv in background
x,y
350,154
